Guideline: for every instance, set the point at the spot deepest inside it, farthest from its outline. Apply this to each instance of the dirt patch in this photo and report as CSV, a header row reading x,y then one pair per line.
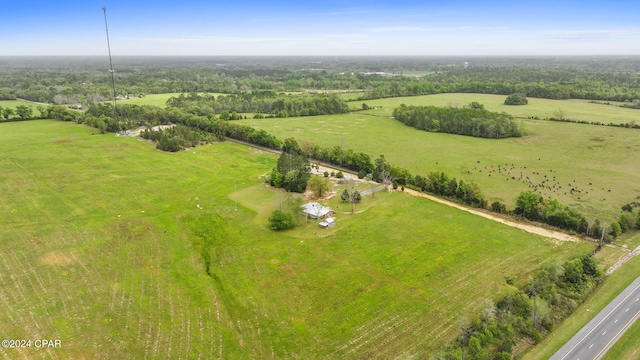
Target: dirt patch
x,y
155,128
623,260
58,258
62,141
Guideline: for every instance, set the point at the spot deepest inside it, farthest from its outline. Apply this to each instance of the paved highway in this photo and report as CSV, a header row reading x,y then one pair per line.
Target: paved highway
x,y
593,341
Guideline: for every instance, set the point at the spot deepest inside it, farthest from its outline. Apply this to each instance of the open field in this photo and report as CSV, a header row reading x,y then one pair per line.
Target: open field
x,y
159,100
106,251
573,109
12,104
600,162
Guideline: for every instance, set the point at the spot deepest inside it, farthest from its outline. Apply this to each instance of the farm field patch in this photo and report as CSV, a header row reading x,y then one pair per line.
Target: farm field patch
x,y
599,163
110,252
12,104
573,109
159,100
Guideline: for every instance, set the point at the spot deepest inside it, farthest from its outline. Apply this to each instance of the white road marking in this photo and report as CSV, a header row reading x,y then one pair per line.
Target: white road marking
x,y
600,322
615,321
591,346
604,333
626,310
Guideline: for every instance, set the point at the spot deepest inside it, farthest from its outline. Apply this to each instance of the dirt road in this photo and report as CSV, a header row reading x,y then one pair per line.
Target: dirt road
x,y
556,235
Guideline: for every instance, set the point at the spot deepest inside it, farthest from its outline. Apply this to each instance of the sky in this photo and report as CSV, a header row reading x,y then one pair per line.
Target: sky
x,y
331,28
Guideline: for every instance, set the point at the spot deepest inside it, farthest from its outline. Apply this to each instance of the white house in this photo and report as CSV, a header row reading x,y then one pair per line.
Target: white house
x,y
315,210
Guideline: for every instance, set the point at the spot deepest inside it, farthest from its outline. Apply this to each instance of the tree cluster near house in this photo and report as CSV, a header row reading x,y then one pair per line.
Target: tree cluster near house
x,y
319,185
293,170
472,120
287,215
179,137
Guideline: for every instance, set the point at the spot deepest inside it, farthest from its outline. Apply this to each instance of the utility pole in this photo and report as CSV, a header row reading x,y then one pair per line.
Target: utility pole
x,y
113,78
604,227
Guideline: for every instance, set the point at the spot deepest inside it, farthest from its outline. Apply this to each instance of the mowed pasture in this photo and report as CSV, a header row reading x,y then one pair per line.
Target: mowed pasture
x,y
159,100
12,104
103,247
601,164
572,109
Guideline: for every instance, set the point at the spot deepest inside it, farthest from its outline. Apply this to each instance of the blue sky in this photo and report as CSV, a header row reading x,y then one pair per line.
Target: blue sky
x,y
335,27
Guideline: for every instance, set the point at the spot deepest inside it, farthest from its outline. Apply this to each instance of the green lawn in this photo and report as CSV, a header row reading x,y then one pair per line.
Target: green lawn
x,y
589,159
159,100
12,104
574,109
105,249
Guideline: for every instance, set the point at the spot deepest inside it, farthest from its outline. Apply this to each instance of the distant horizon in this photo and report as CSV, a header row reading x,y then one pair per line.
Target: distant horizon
x,y
333,56
322,28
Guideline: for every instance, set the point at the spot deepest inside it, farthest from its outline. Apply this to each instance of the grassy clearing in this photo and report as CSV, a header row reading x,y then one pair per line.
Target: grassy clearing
x,y
592,159
626,348
574,109
108,252
159,100
12,104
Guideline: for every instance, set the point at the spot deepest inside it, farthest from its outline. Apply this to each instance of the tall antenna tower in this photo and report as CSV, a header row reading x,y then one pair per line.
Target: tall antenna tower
x,y
113,77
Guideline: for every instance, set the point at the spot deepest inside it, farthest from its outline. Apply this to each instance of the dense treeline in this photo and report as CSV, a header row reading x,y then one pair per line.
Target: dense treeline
x,y
179,137
439,183
547,83
472,120
261,101
533,206
526,313
83,81
629,125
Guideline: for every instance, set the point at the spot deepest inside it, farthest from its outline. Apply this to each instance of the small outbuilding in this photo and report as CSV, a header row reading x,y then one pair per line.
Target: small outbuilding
x,y
316,210
327,223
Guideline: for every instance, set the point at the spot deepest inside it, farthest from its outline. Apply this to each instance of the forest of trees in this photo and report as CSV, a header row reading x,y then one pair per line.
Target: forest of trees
x,y
86,80
472,120
260,101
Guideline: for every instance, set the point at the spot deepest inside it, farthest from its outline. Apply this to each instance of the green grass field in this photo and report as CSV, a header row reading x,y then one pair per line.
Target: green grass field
x,y
159,100
574,109
106,249
12,104
589,159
